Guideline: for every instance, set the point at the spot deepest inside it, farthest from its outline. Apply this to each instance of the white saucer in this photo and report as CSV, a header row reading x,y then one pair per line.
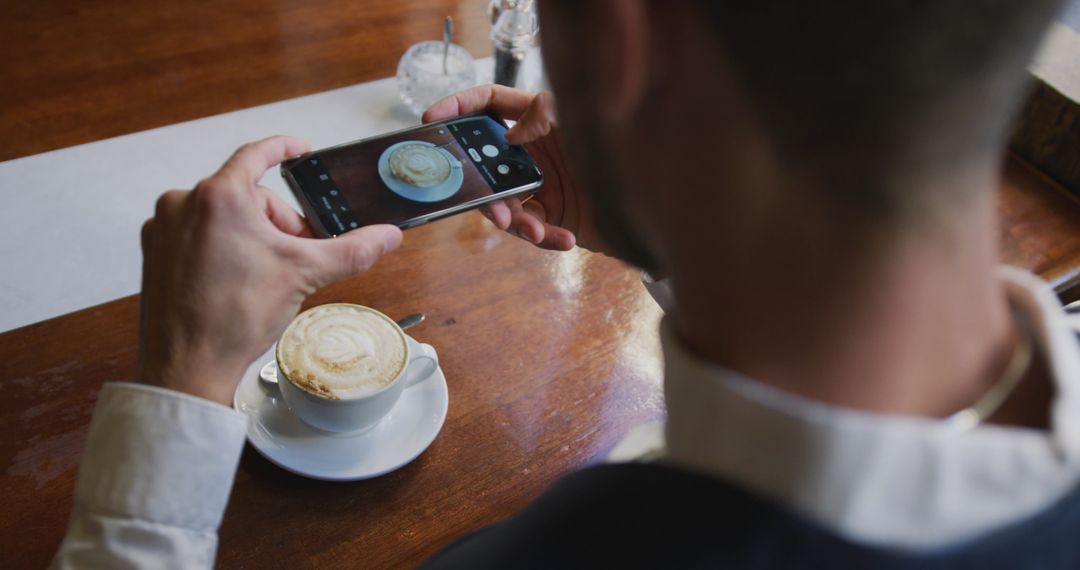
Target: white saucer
x,y
400,437
415,193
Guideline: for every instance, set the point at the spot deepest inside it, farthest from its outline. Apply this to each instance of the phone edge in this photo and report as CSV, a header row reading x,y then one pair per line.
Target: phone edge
x,y
471,205
295,159
311,217
316,225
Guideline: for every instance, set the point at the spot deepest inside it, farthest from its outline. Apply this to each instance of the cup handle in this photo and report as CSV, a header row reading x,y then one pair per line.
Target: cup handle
x,y
269,378
414,373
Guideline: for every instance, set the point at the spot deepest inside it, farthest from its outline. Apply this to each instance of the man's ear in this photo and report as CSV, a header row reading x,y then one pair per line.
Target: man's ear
x,y
623,80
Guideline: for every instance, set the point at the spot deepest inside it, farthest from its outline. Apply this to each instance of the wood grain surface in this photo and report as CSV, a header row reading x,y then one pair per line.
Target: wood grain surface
x,y
77,71
1047,134
1040,224
550,358
1047,131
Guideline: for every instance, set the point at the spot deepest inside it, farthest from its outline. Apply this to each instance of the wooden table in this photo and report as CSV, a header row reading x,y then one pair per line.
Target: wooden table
x,y
550,358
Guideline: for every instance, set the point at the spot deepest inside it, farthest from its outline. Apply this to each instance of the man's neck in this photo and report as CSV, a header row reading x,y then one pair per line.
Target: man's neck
x,y
919,326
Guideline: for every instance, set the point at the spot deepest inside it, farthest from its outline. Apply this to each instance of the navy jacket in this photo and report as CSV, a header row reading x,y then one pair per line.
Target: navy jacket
x,y
654,516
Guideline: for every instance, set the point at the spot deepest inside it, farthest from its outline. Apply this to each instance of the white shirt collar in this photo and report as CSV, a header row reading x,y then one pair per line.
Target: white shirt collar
x,y
888,480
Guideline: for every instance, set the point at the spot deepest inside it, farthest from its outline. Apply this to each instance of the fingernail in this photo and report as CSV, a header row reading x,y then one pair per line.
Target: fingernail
x,y
521,234
392,238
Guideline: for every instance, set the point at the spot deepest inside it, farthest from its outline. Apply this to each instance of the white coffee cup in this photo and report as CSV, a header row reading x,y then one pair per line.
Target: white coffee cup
x,y
357,413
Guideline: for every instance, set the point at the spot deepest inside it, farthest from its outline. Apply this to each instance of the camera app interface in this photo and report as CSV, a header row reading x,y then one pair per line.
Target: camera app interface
x,y
397,178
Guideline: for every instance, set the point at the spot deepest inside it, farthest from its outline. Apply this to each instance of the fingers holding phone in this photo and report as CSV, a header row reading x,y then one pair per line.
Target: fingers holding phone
x,y
411,177
225,268
558,216
527,220
536,122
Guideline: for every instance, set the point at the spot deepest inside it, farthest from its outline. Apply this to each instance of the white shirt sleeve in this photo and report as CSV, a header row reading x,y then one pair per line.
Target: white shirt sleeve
x,y
154,481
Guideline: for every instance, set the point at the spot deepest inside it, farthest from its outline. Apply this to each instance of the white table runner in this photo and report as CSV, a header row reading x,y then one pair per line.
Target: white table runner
x,y
70,219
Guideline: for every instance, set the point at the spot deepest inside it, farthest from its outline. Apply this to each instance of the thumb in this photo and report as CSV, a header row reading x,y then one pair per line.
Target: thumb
x,y
536,122
353,253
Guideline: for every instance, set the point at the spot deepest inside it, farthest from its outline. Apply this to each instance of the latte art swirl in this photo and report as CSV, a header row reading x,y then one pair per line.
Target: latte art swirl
x,y
342,351
419,165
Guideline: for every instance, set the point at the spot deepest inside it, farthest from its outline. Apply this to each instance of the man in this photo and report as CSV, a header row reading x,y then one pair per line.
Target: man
x,y
906,404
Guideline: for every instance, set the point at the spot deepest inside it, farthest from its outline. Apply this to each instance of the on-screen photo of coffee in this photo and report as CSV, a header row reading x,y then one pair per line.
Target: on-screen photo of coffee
x,y
401,177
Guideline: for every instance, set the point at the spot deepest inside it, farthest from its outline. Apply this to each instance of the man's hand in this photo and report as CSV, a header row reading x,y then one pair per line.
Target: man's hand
x,y
225,268
559,216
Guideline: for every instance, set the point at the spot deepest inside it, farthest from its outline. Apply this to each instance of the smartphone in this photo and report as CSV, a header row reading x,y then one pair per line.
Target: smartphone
x,y
411,177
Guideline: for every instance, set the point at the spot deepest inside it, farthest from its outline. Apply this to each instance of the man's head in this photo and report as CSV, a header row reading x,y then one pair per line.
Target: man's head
x,y
863,114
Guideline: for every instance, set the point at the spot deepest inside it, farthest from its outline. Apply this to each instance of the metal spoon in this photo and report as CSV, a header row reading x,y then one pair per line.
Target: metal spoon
x,y
447,33
268,373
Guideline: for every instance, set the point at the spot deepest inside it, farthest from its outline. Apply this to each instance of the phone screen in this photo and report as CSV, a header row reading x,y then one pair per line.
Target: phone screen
x,y
410,177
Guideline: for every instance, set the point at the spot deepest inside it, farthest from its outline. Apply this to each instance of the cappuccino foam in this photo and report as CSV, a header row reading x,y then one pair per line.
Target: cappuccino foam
x,y
419,165
342,351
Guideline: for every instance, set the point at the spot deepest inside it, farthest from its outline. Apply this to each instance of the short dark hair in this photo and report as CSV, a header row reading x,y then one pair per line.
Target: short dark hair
x,y
850,90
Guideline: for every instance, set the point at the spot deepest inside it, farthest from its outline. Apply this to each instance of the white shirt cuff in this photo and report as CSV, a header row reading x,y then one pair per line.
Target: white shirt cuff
x,y
160,456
